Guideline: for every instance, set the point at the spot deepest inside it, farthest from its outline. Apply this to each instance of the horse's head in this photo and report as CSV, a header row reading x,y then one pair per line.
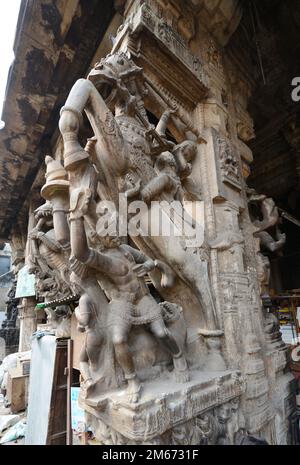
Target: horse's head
x,y
117,79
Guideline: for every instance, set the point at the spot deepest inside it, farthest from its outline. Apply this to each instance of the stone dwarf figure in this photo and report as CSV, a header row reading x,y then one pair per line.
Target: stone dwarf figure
x,y
50,242
46,259
59,320
50,246
120,270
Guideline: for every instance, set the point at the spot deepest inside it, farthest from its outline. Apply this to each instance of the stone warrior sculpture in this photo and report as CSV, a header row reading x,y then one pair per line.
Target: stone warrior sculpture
x,y
267,233
120,269
127,144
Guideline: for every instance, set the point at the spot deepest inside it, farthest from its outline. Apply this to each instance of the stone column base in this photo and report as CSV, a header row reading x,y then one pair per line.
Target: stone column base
x,y
167,413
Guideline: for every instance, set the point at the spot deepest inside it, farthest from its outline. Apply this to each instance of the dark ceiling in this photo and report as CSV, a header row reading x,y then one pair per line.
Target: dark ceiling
x,y
47,64
269,39
268,42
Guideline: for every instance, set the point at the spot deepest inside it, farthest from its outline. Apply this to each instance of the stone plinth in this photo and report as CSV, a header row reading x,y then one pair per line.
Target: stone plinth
x,y
164,404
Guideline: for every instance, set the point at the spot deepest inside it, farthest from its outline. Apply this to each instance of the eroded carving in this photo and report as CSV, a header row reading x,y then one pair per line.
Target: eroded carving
x,y
131,338
269,238
129,151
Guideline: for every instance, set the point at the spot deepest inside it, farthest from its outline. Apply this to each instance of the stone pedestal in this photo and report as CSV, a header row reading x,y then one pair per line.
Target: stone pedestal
x,y
168,413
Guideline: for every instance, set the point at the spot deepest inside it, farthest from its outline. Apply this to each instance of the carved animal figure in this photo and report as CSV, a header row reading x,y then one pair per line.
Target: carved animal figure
x,y
127,144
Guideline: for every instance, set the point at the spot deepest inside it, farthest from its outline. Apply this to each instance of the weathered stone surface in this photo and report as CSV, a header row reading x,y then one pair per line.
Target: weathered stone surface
x,y
163,117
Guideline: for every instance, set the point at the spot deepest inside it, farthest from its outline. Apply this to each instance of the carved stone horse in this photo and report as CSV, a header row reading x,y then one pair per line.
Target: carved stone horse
x,y
127,144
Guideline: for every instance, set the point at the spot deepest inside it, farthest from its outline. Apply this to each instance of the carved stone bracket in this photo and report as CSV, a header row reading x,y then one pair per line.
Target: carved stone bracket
x,y
161,49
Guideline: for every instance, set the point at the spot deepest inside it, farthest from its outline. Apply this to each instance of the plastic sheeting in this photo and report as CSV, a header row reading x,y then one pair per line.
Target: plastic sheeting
x,y
40,389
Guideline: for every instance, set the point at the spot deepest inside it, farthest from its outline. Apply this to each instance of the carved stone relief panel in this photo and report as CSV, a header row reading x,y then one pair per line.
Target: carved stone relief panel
x,y
229,242
222,425
158,47
224,168
175,419
227,162
177,14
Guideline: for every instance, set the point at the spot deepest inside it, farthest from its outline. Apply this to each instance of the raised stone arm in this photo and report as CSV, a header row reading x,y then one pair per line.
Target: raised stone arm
x,y
271,244
144,265
61,227
269,212
156,186
161,126
94,259
85,97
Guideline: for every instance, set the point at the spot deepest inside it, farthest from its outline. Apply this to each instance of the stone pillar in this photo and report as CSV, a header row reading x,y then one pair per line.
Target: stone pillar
x,y
185,70
28,322
27,313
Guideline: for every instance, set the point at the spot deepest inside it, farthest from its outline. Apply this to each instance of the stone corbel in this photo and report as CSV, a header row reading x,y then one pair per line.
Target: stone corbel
x,y
163,54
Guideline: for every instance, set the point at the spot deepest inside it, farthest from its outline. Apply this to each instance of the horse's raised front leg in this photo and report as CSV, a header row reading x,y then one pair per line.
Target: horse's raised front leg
x,y
112,153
